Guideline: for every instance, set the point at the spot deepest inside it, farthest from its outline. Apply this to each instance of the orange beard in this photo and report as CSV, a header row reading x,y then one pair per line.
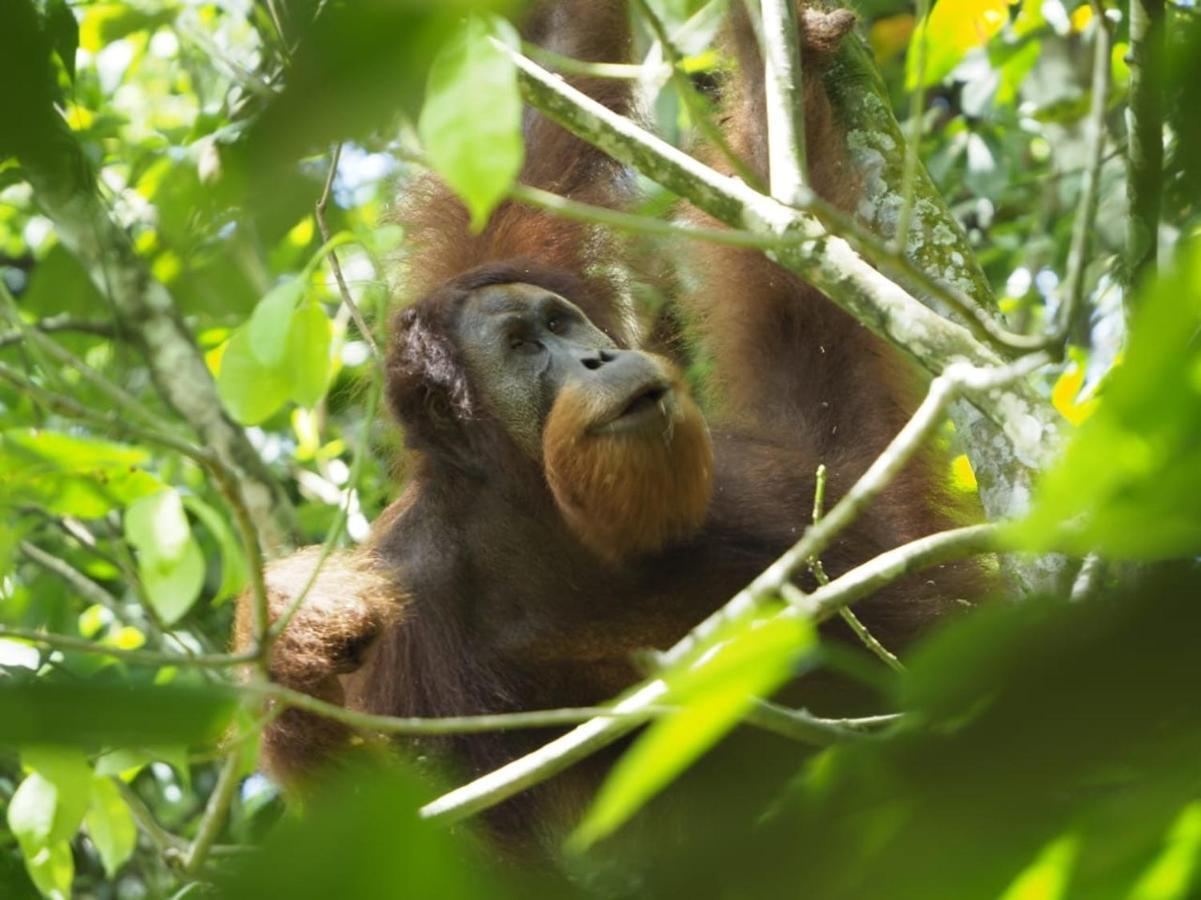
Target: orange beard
x,y
624,494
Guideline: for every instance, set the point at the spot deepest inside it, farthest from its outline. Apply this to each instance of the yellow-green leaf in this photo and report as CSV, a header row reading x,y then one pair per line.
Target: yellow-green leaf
x,y
713,694
110,825
470,124
949,31
250,391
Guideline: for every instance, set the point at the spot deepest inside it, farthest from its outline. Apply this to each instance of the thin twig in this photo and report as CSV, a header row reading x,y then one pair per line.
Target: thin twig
x,y
88,589
856,624
1144,180
783,95
1086,209
216,811
138,657
355,313
272,633
865,580
571,66
62,323
583,740
636,224
541,718
171,846
551,758
804,727
696,105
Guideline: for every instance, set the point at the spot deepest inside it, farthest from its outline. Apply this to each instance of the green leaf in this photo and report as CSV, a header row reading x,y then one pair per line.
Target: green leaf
x,y
52,869
1128,483
87,714
952,28
110,825
714,693
67,770
169,560
470,124
308,360
70,475
31,811
233,561
250,391
64,33
269,326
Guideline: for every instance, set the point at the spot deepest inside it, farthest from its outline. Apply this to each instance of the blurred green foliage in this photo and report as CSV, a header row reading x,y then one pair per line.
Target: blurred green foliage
x,y
1047,750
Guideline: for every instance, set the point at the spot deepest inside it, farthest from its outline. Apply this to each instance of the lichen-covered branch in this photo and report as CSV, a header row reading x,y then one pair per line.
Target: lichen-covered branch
x,y
65,189
1009,434
825,260
935,240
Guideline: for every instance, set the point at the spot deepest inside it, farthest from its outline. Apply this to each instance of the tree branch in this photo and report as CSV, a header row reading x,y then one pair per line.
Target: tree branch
x,y
825,260
62,323
784,95
319,211
636,704
1144,124
1086,209
65,189
136,657
216,812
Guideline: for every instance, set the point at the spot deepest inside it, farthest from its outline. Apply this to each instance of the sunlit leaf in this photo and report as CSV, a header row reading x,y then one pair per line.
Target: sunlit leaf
x,y
71,475
470,124
713,694
249,390
1174,871
952,28
268,328
1127,484
308,355
169,560
1048,876
67,769
52,869
233,560
110,825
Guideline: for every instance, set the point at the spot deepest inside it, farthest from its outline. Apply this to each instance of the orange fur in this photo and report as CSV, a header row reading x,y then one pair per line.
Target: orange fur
x,y
628,494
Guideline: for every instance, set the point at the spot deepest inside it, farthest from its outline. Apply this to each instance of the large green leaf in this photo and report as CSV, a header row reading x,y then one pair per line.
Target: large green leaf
x,y
471,123
67,769
383,849
308,361
87,713
269,325
110,825
713,694
71,475
169,559
1128,484
233,560
249,390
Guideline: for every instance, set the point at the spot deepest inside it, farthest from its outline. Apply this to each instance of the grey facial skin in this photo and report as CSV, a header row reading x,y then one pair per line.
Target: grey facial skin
x,y
523,344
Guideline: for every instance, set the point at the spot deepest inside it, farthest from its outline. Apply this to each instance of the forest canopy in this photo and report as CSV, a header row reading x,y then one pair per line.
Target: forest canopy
x,y
198,265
